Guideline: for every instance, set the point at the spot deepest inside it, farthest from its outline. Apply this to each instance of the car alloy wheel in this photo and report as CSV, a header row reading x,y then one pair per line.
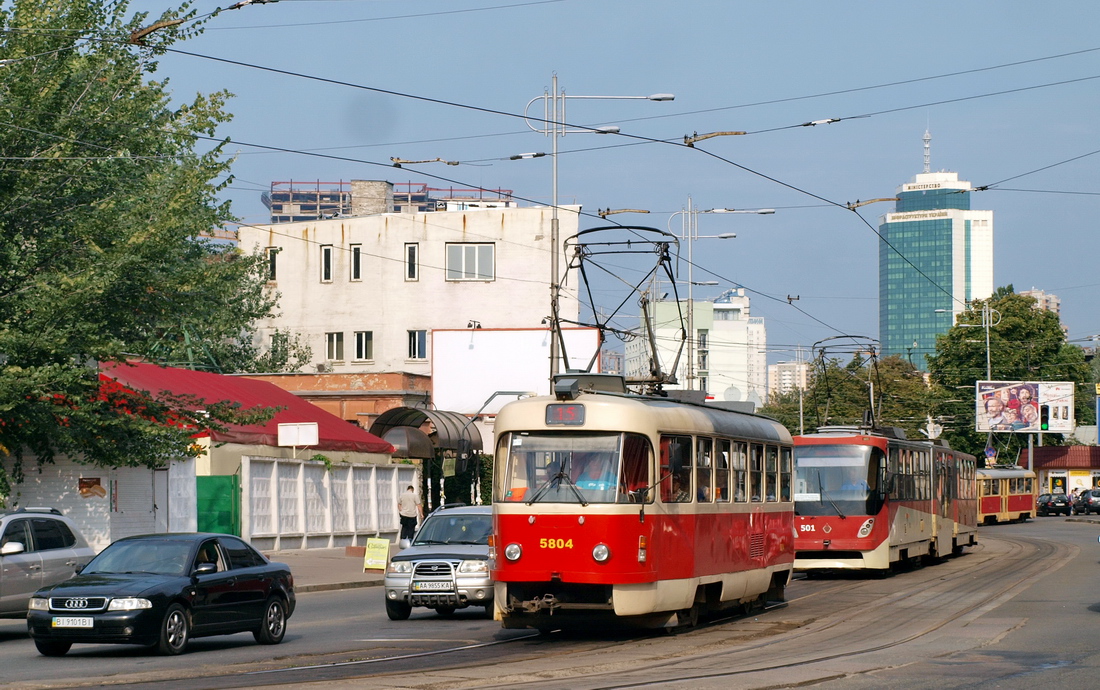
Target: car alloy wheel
x,y
273,626
175,631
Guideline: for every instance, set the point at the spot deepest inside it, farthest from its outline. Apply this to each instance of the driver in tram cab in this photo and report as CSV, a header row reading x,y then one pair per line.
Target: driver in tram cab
x,y
595,472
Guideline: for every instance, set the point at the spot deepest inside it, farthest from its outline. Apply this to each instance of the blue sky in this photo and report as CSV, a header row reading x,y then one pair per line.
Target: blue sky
x,y
753,66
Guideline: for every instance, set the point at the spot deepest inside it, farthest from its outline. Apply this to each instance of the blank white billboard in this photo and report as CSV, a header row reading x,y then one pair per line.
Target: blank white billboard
x,y
469,365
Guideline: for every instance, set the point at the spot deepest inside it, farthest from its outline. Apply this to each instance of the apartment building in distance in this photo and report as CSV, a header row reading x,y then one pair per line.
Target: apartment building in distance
x,y
366,289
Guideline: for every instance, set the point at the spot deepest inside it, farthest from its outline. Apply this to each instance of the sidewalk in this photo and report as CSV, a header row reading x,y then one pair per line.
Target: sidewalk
x,y
318,570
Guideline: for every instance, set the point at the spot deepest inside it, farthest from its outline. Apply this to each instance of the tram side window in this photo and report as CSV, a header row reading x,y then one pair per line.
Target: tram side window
x,y
785,474
634,475
740,473
704,464
676,469
756,472
771,457
722,457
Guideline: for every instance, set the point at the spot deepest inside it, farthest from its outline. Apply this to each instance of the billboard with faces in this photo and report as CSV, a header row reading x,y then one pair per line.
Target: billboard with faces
x,y
1025,406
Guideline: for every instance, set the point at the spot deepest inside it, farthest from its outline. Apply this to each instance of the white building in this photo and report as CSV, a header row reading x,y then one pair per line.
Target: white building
x,y
1045,300
727,351
783,377
367,291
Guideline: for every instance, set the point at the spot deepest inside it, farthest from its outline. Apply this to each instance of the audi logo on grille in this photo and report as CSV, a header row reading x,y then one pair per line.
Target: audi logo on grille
x,y
80,603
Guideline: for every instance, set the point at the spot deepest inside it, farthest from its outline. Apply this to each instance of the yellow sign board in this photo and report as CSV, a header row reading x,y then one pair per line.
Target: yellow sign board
x,y
378,553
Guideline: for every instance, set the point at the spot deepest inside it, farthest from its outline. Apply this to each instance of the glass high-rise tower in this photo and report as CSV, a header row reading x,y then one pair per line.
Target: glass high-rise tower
x,y
935,255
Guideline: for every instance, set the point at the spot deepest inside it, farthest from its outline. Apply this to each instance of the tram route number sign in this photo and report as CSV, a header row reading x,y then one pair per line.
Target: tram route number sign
x,y
564,414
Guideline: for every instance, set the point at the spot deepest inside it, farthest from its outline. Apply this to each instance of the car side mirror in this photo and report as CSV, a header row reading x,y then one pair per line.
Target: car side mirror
x,y
205,569
12,548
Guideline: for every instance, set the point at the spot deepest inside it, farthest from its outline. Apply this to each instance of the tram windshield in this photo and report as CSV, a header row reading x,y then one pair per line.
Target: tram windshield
x,y
837,479
551,467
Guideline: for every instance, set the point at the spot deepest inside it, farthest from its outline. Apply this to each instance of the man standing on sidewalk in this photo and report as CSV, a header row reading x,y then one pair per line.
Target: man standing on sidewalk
x,y
408,507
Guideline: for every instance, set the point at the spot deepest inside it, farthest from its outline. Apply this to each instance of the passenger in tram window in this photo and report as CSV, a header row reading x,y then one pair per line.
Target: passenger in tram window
x,y
681,487
702,482
594,471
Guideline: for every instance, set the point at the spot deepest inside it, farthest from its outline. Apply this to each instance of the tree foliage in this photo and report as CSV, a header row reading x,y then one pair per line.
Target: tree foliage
x,y
840,394
106,190
1025,344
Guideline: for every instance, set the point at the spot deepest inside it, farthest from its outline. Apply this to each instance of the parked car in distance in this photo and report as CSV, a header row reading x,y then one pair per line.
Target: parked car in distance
x,y
38,547
1087,502
447,565
1053,504
162,590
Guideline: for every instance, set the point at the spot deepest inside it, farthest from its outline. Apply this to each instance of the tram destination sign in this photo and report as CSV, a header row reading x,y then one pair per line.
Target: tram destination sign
x,y
564,414
1027,407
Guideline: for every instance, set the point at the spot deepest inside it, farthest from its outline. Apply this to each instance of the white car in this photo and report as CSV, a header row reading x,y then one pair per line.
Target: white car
x,y
446,567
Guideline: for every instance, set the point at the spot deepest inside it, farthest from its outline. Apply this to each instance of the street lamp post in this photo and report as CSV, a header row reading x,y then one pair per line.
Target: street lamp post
x,y
554,125
690,233
987,323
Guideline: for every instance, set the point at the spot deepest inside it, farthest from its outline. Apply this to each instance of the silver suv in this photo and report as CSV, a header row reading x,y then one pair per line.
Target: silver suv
x,y
39,547
447,565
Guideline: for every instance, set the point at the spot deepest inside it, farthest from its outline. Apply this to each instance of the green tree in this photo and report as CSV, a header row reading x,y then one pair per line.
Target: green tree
x,y
1025,344
840,394
106,192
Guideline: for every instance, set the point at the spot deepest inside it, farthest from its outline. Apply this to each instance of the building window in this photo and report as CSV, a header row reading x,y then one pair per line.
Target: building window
x,y
412,261
272,256
334,347
470,262
326,263
356,267
364,345
418,344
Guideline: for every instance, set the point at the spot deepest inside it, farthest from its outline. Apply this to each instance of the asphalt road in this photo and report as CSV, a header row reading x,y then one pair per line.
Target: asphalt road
x,y
1018,611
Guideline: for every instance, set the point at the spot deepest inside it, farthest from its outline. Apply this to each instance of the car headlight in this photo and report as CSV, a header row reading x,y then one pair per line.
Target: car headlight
x,y
470,567
400,567
513,551
39,604
129,604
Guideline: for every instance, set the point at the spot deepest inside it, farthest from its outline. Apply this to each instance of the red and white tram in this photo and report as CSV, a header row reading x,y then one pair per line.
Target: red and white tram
x,y
638,509
1006,494
867,499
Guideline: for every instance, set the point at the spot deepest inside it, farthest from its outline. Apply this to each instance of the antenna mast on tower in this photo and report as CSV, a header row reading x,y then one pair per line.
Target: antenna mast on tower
x,y
927,151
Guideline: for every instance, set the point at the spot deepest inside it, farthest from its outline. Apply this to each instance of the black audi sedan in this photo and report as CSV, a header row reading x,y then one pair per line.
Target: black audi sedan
x,y
161,590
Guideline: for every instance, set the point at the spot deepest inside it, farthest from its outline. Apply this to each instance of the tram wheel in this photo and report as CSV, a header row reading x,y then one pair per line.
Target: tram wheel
x,y
688,618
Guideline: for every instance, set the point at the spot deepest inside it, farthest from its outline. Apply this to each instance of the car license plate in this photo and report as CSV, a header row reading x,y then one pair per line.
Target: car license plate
x,y
72,622
431,586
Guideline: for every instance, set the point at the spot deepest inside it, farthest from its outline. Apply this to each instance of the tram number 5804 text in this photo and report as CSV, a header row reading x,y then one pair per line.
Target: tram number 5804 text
x,y
556,543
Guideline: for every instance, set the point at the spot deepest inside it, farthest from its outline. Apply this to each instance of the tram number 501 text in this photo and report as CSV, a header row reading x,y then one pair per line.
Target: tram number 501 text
x,y
555,543
805,528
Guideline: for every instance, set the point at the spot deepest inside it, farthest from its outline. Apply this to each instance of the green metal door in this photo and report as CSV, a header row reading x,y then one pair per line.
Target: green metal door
x,y
218,501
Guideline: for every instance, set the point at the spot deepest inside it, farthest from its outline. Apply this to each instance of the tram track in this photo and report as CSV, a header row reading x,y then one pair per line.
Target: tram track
x,y
959,594
814,629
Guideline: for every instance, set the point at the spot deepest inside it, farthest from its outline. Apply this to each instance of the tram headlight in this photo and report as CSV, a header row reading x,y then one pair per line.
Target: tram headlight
x,y
865,528
601,553
513,551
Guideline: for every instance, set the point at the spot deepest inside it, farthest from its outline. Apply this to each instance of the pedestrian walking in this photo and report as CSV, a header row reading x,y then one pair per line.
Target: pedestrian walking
x,y
408,508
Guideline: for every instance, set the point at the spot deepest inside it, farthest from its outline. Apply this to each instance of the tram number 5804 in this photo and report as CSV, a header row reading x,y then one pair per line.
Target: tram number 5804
x,y
555,543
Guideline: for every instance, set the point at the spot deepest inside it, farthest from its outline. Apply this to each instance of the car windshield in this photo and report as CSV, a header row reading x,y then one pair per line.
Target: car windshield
x,y
142,556
455,529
